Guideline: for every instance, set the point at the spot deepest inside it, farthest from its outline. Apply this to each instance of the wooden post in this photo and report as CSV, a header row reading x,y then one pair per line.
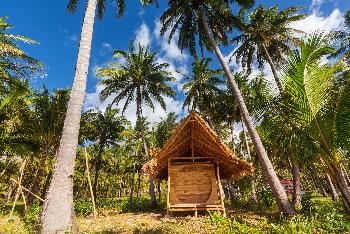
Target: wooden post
x,y
220,189
90,186
19,185
27,190
168,192
192,136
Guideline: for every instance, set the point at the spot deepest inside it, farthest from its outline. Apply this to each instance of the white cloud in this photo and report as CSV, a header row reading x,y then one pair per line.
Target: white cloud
x,y
143,35
316,5
71,40
169,50
317,22
106,49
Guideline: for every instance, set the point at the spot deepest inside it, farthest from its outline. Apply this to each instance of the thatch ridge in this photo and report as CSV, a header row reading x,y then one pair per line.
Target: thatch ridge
x,y
207,144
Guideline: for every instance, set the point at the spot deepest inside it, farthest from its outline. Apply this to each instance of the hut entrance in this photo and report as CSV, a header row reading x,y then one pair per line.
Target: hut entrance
x,y
194,161
193,185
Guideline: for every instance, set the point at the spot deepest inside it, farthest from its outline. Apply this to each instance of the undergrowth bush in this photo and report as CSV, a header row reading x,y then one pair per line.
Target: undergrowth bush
x,y
31,217
329,216
231,225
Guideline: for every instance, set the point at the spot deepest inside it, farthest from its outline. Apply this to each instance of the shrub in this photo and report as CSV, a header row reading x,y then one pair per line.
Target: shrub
x,y
266,198
229,225
296,224
31,218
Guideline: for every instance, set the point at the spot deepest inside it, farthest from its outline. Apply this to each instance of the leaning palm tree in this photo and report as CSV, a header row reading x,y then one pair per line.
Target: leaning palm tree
x,y
58,212
102,128
140,79
315,117
266,36
201,88
209,21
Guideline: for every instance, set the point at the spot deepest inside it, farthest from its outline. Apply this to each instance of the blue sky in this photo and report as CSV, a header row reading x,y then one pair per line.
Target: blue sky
x,y
58,33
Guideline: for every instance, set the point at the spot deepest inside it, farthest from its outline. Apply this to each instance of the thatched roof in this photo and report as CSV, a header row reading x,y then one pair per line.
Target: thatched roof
x,y
206,143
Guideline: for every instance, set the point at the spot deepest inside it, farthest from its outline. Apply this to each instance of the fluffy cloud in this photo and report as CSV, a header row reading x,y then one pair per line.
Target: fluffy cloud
x,y
169,50
143,35
317,22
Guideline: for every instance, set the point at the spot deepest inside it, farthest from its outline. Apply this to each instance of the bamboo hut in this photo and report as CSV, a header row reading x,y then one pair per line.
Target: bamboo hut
x,y
194,161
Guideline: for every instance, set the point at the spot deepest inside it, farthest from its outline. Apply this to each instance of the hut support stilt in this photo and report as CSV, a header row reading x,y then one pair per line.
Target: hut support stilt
x,y
221,190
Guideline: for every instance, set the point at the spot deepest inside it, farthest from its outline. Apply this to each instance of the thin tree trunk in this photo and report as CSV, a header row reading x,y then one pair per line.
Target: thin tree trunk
x,y
273,68
89,182
58,211
296,185
233,137
132,182
138,184
36,184
318,183
233,193
331,188
159,191
46,185
267,167
254,197
139,117
246,141
97,170
343,187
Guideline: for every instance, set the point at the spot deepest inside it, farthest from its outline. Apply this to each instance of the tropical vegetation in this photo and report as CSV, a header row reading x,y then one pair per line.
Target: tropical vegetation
x,y
65,168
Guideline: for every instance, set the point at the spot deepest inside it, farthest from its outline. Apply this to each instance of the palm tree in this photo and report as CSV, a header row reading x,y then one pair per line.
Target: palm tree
x,y
164,129
314,117
48,115
14,62
209,21
142,80
266,36
58,212
103,129
201,88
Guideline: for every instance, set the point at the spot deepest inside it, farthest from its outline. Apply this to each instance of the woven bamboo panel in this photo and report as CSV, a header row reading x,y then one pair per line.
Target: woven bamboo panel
x,y
193,184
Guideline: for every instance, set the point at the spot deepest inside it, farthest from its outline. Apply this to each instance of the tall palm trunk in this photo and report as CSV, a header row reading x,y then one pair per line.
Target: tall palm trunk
x,y
36,184
145,147
58,211
295,167
296,185
97,170
273,68
331,188
276,187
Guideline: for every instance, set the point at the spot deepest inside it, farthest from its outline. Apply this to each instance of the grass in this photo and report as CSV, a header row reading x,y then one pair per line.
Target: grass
x,y
321,215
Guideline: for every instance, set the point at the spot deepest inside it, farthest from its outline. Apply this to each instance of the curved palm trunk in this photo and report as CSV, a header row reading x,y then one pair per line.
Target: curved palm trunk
x,y
332,188
151,181
275,185
58,211
296,185
273,68
36,184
